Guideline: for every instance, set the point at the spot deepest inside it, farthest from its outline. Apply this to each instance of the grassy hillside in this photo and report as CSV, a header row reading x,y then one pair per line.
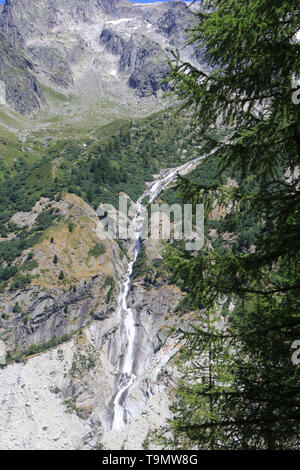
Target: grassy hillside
x,y
120,156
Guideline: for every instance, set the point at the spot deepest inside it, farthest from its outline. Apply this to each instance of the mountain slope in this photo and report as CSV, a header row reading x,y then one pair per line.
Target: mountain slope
x,y
19,86
79,81
69,47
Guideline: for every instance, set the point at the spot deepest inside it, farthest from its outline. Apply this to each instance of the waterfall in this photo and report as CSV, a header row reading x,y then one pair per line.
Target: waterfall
x,y
127,377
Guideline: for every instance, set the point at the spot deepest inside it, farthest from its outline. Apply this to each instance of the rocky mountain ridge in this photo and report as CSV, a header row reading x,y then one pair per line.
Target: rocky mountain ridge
x,y
80,376
63,45
64,68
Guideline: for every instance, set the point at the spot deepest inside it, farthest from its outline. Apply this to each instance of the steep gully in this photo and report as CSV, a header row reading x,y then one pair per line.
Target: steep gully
x,y
127,376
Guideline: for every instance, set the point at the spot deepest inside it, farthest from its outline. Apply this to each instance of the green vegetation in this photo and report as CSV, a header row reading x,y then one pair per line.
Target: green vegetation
x,y
239,387
97,250
53,95
83,362
18,356
29,265
123,251
208,175
140,267
109,282
10,250
121,157
71,227
20,281
17,308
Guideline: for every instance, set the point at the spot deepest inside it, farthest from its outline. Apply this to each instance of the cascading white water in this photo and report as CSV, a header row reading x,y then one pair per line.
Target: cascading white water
x,y
127,377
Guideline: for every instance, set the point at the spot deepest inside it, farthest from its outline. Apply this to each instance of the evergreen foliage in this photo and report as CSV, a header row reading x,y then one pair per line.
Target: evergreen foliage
x,y
239,388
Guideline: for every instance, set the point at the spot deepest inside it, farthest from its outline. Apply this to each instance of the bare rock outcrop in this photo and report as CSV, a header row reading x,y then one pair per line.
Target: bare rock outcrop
x,y
57,44
22,90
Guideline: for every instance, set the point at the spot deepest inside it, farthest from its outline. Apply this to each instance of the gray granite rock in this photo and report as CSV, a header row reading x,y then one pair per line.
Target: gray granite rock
x,y
114,43
147,64
22,90
56,42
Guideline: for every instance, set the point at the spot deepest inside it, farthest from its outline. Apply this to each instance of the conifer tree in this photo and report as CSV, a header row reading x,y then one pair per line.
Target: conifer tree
x,y
240,389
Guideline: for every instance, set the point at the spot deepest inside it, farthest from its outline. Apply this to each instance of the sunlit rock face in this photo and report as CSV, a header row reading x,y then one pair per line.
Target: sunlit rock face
x,y
60,44
22,90
89,57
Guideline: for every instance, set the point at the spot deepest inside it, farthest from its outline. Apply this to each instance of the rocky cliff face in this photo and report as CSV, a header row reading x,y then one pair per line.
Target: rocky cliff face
x,y
21,20
22,90
60,399
146,62
113,43
58,44
140,58
63,331
56,63
52,308
80,377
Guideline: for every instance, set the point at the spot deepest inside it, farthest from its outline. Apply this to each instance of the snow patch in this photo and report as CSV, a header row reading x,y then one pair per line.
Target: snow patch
x,y
122,20
114,73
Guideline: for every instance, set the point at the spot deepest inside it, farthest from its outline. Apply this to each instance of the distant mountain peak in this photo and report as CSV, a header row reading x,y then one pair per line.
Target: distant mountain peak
x,y
115,43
